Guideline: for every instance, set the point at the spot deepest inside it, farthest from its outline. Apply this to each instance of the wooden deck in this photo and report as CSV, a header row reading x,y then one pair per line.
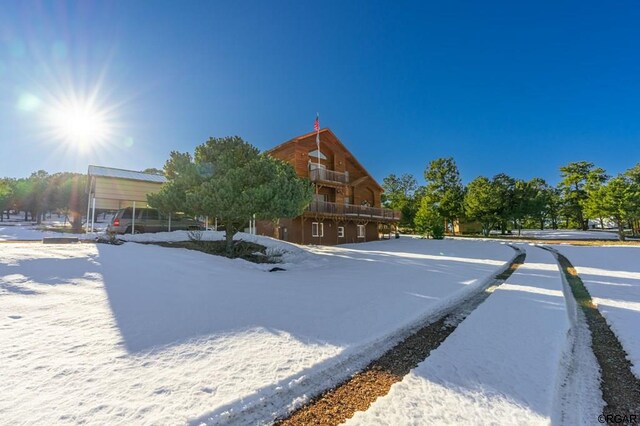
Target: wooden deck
x,y
351,211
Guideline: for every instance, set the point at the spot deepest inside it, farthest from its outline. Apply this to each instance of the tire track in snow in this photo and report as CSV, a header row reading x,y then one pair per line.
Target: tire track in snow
x,y
357,393
620,387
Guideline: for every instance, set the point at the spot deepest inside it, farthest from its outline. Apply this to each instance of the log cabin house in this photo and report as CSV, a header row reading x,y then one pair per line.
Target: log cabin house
x,y
347,202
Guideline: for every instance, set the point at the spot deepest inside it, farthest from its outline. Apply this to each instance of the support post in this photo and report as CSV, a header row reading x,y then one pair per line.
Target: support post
x,y
169,222
133,219
93,213
215,227
86,226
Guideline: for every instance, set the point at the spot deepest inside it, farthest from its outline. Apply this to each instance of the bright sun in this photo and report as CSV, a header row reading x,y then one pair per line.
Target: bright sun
x,y
79,125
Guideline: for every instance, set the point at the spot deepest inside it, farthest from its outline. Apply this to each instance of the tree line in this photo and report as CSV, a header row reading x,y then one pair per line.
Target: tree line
x,y
585,192
41,192
229,179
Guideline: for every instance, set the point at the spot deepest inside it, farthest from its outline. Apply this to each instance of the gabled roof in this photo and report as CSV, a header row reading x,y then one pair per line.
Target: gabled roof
x,y
328,131
362,179
125,174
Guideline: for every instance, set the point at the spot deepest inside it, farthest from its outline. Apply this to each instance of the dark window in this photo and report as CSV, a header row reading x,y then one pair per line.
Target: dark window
x,y
126,214
151,214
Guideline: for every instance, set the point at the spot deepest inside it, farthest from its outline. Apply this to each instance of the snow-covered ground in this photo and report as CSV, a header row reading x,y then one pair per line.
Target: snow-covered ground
x,y
612,276
562,234
502,365
143,334
25,232
15,228
292,254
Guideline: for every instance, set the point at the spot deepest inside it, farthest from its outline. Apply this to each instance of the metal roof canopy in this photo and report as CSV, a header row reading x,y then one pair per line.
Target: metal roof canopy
x,y
113,189
125,174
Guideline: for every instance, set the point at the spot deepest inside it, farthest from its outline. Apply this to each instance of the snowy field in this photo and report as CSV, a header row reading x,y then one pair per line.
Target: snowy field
x,y
561,234
502,365
17,229
612,276
143,334
28,232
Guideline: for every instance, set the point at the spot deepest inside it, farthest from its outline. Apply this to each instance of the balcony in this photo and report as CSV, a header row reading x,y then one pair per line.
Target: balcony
x,y
328,176
351,211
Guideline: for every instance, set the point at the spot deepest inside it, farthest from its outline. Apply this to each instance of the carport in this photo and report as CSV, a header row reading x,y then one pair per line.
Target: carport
x,y
114,189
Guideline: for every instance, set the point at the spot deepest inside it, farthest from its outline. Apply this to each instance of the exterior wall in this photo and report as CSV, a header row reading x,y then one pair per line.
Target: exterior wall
x,y
296,152
339,159
329,193
365,193
300,233
115,193
118,204
287,229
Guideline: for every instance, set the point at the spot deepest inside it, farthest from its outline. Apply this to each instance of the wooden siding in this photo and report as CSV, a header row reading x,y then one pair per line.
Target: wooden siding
x,y
296,152
360,188
300,233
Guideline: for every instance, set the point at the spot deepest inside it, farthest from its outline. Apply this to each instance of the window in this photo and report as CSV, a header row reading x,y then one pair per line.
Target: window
x,y
361,231
347,200
317,229
340,231
314,154
314,166
320,197
150,214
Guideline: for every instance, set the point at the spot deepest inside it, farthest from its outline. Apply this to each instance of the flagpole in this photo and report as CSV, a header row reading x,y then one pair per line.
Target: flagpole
x,y
318,139
317,125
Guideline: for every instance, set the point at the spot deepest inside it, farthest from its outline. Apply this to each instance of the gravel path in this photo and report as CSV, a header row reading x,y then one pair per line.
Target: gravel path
x,y
620,387
361,390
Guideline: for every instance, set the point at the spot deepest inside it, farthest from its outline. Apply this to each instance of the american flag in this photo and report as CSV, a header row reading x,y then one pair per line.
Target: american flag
x,y
316,125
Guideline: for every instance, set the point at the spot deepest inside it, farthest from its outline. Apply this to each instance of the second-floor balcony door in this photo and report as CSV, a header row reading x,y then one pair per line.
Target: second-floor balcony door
x,y
321,170
320,197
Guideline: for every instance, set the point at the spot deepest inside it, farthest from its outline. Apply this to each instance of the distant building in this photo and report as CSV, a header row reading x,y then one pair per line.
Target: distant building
x,y
346,206
467,227
114,189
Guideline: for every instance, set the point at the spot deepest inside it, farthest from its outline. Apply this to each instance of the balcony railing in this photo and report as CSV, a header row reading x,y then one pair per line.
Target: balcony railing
x,y
352,211
316,175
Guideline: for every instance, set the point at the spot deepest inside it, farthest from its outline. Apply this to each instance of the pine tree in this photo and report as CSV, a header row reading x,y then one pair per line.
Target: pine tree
x,y
444,192
229,179
400,193
7,188
621,198
575,177
481,203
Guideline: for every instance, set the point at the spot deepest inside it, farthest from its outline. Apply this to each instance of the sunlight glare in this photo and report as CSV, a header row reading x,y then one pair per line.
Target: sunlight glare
x,y
79,125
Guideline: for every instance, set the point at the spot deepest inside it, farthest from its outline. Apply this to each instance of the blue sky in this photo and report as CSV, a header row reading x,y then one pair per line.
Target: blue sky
x,y
500,86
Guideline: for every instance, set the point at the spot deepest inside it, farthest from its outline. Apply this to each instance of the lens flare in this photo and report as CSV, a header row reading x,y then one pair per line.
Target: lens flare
x,y
28,102
79,125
